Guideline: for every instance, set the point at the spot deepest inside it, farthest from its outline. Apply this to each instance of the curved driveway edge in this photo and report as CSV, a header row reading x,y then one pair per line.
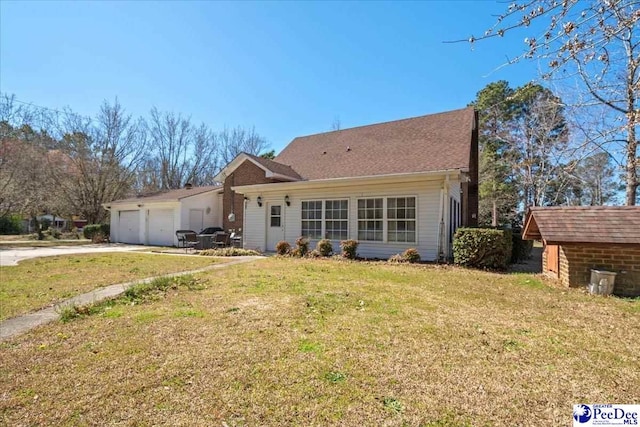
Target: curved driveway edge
x,y
21,324
12,256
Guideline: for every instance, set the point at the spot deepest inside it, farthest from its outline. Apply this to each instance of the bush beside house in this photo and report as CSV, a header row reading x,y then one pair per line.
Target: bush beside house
x,y
482,248
97,232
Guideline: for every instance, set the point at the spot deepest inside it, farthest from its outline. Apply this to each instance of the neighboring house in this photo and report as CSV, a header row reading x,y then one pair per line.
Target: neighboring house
x,y
580,238
52,221
153,220
396,185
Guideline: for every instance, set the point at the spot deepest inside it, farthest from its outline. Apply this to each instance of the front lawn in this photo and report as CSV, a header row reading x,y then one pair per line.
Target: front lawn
x,y
314,342
39,282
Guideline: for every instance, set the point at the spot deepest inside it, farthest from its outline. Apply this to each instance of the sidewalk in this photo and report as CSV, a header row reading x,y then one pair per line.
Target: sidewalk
x,y
21,324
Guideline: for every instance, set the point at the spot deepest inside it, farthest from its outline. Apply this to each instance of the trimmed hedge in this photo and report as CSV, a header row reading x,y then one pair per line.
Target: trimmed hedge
x,y
324,247
91,230
349,248
283,248
482,248
11,224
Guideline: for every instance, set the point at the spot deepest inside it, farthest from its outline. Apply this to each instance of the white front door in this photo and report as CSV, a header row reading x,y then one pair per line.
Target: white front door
x,y
196,220
275,222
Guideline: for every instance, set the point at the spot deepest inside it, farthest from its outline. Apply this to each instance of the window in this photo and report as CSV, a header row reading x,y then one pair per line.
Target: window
x,y
393,217
276,215
370,218
401,219
336,213
312,219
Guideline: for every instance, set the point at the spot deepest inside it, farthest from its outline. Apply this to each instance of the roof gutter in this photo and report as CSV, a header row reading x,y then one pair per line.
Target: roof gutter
x,y
345,181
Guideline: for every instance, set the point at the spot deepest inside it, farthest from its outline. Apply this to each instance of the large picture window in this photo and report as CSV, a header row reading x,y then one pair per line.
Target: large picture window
x,y
370,217
327,219
395,216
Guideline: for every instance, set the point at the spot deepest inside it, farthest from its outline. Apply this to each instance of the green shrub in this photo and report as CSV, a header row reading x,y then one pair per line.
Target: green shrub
x,y
324,247
90,230
302,246
349,248
283,248
314,254
411,255
11,224
521,249
54,233
482,248
229,252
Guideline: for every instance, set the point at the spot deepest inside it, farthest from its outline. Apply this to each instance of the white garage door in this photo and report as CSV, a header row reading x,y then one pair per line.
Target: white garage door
x,y
161,230
129,227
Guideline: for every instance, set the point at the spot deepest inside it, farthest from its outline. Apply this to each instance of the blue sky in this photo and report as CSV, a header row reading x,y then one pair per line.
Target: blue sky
x,y
286,68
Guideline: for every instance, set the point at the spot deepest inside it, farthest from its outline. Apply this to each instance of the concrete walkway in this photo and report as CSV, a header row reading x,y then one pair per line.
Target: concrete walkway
x,y
12,256
21,324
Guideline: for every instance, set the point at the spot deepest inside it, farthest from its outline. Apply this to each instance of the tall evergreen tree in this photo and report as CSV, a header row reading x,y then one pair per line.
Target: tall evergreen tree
x,y
497,190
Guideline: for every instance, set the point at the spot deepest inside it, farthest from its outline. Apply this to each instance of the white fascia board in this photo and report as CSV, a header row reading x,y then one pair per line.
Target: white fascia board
x,y
240,158
145,204
215,190
344,182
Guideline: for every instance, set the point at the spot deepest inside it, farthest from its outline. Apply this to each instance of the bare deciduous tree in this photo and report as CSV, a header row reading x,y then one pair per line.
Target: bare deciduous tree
x,y
97,160
179,151
239,140
594,44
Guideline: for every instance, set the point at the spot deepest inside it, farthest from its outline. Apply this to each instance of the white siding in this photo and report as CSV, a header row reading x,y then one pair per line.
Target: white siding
x,y
428,201
208,202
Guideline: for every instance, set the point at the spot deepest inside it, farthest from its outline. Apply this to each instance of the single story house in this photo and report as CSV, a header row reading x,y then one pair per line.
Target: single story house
x,y
154,219
578,239
396,185
50,220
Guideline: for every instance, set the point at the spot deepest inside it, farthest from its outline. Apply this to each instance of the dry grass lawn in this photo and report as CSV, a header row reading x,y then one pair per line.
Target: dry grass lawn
x,y
310,342
40,282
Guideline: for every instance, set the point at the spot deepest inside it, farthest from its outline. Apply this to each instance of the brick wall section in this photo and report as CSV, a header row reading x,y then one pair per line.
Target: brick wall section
x,y
577,260
245,174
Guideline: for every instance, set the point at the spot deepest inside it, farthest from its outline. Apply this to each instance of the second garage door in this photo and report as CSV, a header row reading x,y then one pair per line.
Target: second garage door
x,y
161,231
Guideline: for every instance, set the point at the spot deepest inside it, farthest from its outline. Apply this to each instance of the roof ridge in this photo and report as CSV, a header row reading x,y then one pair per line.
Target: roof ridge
x,y
384,123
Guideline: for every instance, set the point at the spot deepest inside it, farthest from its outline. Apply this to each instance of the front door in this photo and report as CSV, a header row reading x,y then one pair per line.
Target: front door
x,y
275,222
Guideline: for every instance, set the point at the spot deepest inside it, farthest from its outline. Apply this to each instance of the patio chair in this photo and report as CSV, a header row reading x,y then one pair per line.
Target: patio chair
x,y
221,240
187,239
236,240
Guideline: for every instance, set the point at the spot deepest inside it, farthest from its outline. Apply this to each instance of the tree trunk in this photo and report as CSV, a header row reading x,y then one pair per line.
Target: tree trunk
x,y
494,214
632,159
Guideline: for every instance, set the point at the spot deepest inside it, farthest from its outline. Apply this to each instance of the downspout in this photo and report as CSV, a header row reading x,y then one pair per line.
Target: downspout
x,y
244,221
441,226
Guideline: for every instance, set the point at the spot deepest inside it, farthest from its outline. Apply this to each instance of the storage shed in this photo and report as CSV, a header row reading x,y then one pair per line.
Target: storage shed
x,y
578,239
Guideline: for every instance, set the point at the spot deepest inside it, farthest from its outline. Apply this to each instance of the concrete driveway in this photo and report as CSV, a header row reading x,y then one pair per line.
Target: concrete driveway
x,y
12,256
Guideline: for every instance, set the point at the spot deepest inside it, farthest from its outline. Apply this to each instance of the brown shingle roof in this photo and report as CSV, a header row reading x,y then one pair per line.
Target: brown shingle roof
x,y
171,195
275,167
584,224
420,144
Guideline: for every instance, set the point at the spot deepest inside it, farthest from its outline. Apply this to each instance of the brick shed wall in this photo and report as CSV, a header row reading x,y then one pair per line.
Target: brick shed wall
x,y
577,260
245,174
